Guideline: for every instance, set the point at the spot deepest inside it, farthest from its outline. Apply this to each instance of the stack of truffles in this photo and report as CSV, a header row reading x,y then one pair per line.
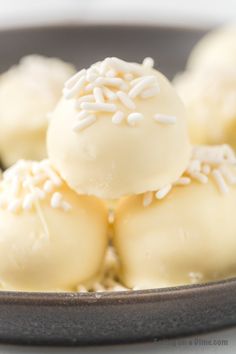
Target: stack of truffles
x,y
120,171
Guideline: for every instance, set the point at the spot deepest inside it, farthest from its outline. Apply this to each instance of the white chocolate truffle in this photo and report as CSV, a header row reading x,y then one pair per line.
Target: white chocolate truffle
x,y
210,101
28,92
215,50
186,235
120,129
208,88
51,238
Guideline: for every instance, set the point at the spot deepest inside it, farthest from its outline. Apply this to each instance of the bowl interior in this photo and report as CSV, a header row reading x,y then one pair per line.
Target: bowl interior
x,y
73,318
84,45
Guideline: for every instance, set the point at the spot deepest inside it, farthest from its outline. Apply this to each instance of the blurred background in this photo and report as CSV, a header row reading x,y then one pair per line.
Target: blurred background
x,y
180,12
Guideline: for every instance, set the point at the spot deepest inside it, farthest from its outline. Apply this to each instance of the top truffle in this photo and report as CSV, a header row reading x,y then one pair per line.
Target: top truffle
x,y
119,129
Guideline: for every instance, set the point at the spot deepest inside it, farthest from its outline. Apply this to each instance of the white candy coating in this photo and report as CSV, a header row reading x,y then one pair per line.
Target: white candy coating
x,y
29,91
48,242
186,234
125,149
207,88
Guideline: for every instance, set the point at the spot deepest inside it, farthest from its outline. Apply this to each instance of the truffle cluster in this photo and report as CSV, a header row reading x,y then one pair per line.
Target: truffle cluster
x,y
119,131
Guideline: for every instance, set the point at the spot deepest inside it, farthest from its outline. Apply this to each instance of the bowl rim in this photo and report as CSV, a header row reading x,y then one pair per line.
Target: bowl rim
x,y
109,297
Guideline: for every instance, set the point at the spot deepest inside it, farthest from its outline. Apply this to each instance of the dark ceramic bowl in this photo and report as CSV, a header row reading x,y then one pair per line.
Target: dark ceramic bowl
x,y
72,318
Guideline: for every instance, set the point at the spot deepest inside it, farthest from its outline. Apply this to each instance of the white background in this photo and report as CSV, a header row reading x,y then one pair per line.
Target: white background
x,y
181,12
184,12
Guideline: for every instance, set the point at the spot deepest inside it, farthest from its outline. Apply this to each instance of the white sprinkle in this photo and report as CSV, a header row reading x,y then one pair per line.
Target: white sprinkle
x,y
126,100
183,181
135,81
148,62
89,87
53,176
48,186
66,206
98,94
124,86
220,181
193,166
110,95
214,155
151,92
229,154
134,117
84,123
228,175
141,85
111,73
118,117
28,201
86,98
99,107
147,199
69,83
14,205
36,168
136,69
39,193
56,200
27,182
91,75
21,165
164,119
163,191
15,185
110,81
103,66
199,177
128,76
82,115
38,178
119,65
76,88
206,169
